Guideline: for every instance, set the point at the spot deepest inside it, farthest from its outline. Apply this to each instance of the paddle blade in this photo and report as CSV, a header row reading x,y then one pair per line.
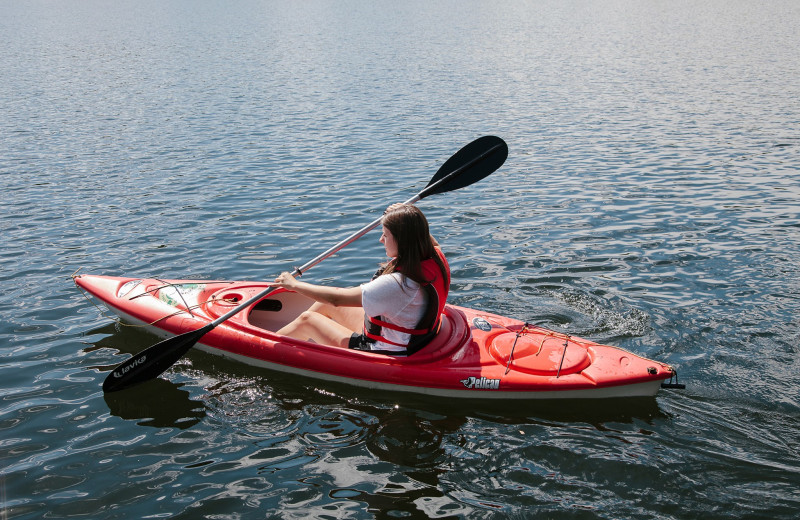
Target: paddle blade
x,y
472,163
153,361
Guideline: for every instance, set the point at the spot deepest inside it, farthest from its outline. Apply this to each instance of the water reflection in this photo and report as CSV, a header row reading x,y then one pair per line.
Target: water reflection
x,y
408,438
430,443
395,501
411,440
127,339
158,403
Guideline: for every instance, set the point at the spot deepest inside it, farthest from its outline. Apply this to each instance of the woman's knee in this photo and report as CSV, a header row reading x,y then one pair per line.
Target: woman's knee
x,y
307,317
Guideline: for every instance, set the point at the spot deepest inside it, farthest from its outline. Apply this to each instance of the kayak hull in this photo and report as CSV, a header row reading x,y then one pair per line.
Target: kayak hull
x,y
476,355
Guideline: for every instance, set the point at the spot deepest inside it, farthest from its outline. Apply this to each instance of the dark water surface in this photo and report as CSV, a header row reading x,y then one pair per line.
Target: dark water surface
x,y
650,201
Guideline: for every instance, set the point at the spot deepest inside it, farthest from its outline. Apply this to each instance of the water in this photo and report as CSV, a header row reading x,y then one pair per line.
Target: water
x,y
649,201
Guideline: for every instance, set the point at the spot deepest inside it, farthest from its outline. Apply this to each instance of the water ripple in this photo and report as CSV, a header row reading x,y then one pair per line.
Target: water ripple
x,y
649,201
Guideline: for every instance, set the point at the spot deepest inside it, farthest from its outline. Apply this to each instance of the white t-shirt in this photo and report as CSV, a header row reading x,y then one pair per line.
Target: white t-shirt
x,y
399,300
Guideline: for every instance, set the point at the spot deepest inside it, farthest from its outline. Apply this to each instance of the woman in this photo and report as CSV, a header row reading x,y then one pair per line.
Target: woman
x,y
398,311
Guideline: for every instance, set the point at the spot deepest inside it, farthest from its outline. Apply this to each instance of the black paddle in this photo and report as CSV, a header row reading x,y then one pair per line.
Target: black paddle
x,y
469,165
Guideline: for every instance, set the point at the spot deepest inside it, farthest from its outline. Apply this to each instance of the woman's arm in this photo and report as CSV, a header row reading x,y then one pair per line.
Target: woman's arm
x,y
336,296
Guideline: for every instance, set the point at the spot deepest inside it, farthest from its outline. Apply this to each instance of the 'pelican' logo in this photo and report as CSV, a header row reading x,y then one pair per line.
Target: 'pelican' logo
x,y
481,383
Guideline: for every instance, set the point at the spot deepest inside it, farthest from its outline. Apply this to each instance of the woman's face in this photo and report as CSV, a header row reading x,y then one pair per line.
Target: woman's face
x,y
389,243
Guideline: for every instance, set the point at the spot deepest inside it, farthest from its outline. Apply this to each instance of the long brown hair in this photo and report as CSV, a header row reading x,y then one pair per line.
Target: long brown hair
x,y
409,227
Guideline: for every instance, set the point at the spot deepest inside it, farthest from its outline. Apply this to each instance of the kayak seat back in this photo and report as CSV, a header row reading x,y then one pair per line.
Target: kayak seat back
x,y
453,333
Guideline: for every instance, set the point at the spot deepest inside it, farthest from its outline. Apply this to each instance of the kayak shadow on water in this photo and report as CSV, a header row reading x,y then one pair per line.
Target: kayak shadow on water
x,y
158,403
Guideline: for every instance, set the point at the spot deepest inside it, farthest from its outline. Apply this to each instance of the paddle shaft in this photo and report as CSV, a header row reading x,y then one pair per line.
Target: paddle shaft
x,y
299,271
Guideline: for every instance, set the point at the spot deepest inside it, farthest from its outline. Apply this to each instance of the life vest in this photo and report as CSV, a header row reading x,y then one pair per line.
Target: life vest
x,y
436,290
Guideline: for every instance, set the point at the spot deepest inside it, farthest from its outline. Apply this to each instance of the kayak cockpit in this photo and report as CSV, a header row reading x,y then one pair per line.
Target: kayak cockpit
x,y
277,310
282,307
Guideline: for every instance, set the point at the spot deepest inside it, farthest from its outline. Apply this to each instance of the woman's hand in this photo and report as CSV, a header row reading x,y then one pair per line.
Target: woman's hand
x,y
285,280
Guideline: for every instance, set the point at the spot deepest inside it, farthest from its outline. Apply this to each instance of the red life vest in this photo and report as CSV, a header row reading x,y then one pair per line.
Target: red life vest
x,y
436,290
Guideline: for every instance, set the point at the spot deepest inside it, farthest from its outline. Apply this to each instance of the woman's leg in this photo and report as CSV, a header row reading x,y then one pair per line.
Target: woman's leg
x,y
350,317
316,327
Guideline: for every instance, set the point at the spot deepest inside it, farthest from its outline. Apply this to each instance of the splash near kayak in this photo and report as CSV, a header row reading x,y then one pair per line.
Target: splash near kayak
x,y
476,355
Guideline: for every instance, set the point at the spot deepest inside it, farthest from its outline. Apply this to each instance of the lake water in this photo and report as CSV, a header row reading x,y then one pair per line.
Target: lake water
x,y
650,200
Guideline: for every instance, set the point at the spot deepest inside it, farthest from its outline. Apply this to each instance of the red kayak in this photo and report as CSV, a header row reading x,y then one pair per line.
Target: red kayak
x,y
476,355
